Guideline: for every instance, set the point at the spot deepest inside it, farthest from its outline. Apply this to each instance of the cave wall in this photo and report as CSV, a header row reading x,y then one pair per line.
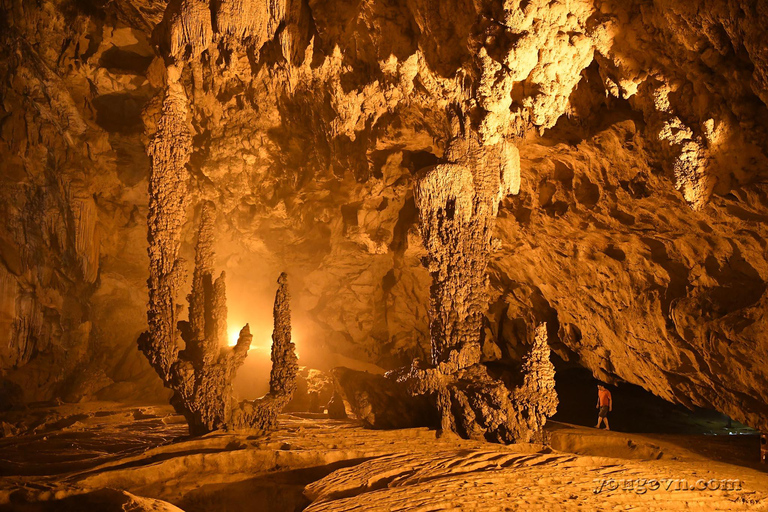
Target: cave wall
x,y
637,234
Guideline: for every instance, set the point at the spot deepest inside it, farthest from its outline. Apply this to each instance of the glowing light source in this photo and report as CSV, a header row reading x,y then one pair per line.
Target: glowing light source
x,y
233,334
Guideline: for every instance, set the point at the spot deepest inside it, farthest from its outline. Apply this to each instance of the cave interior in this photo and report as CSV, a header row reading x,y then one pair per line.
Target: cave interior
x,y
328,255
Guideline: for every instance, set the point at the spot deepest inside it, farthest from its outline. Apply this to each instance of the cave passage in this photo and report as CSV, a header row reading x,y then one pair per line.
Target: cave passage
x,y
635,409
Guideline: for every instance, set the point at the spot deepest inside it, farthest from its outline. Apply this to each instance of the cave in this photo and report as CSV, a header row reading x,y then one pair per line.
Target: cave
x,y
388,255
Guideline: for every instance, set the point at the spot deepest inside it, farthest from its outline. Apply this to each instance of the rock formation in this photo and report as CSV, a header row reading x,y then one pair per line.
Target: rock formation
x,y
169,152
482,401
336,408
536,400
262,414
458,203
381,402
314,389
282,379
637,233
201,374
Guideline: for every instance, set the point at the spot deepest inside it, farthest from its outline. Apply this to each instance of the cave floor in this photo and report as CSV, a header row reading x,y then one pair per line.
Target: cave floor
x,y
99,456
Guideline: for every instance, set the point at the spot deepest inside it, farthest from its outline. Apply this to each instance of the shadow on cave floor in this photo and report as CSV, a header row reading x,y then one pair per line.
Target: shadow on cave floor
x,y
637,411
279,491
264,493
61,438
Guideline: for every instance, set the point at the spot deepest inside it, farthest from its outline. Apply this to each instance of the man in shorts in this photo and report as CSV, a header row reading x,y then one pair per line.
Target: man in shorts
x,y
604,404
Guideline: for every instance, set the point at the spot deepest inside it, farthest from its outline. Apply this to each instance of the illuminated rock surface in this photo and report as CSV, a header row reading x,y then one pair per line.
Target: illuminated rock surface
x,y
70,454
466,195
635,227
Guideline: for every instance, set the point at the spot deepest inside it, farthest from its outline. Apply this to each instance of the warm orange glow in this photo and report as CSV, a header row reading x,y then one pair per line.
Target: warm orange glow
x,y
261,343
234,334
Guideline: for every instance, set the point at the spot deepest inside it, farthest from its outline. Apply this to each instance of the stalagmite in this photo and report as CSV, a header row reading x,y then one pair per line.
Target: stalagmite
x,y
458,202
203,375
262,414
282,381
537,395
200,375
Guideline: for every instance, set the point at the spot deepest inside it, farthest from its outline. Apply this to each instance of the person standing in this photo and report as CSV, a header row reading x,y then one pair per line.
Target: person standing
x,y
604,405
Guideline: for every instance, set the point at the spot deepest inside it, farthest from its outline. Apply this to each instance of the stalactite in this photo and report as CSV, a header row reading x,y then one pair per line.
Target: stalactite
x,y
256,19
189,28
458,202
9,290
84,215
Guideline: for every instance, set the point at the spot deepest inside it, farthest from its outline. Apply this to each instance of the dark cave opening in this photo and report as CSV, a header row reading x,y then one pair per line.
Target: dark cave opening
x,y
635,409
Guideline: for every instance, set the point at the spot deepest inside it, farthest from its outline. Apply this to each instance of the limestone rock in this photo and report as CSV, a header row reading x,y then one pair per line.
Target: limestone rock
x,y
336,407
380,402
636,229
314,389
